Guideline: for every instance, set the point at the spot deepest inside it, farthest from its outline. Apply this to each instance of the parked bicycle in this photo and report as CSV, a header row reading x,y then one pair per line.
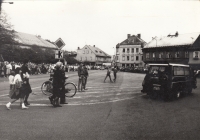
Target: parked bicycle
x,y
70,88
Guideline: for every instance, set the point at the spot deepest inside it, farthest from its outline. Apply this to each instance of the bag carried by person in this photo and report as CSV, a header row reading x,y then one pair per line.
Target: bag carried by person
x,y
18,84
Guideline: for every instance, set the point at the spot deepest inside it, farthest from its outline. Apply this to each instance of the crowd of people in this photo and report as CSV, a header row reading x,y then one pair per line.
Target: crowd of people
x,y
19,73
6,67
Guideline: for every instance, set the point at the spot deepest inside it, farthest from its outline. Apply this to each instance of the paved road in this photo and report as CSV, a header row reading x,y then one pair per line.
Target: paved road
x,y
106,111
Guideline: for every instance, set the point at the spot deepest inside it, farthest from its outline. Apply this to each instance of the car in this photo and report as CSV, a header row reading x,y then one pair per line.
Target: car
x,y
102,68
168,81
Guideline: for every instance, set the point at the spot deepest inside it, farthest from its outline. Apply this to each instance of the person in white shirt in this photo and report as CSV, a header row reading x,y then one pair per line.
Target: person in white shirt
x,y
15,91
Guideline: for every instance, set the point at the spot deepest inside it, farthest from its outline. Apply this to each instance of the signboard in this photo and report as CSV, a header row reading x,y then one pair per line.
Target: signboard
x,y
59,43
59,54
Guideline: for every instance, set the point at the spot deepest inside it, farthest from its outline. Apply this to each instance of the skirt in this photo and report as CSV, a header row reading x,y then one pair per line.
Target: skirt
x,y
14,92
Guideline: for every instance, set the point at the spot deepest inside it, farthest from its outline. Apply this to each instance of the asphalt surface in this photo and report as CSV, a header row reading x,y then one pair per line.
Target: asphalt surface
x,y
106,111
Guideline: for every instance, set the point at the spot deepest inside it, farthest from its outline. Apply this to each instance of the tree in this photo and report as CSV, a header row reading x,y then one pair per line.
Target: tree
x,y
6,32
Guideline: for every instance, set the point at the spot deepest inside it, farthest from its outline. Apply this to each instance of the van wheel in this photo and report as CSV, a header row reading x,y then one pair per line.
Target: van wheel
x,y
164,97
153,95
189,91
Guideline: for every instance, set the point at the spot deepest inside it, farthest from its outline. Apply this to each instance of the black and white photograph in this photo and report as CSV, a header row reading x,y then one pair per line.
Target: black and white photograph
x,y
99,70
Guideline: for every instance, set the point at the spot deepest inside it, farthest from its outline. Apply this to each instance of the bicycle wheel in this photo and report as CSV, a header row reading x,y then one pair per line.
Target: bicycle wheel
x,y
47,88
70,89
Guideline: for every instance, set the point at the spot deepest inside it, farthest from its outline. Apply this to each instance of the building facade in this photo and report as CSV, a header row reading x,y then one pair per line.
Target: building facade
x,y
183,49
129,52
92,55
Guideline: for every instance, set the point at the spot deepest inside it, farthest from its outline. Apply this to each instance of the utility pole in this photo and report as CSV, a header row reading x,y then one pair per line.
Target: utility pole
x,y
1,1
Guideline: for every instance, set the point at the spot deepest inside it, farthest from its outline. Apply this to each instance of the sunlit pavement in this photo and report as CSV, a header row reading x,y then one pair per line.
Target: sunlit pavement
x,y
108,110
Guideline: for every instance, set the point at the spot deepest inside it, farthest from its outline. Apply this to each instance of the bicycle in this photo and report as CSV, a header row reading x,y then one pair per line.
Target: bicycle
x,y
70,88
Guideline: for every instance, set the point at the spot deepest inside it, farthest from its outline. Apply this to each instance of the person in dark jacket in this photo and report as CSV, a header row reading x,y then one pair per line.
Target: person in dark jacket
x,y
115,73
85,73
81,77
58,84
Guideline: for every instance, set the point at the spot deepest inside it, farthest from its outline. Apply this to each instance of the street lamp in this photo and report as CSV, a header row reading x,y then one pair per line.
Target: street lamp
x,y
9,2
1,1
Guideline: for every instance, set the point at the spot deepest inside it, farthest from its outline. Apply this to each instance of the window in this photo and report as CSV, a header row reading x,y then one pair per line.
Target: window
x,y
84,52
132,58
85,58
117,58
81,59
91,57
123,58
96,51
132,50
137,50
100,51
153,55
137,58
117,50
161,55
169,55
87,51
147,55
196,54
187,71
177,55
142,57
127,50
123,50
179,71
127,58
186,54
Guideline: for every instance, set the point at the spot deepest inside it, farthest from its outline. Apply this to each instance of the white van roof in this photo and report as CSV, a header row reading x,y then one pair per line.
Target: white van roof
x,y
172,64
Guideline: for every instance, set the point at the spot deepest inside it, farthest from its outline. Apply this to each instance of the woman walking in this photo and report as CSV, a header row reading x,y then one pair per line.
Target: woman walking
x,y
15,91
26,88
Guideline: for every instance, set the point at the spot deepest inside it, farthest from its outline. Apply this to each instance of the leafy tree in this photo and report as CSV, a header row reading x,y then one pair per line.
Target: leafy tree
x,y
6,32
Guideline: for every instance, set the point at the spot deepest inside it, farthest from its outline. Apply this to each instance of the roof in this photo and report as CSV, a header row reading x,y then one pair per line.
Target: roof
x,y
28,39
172,64
132,40
97,51
172,40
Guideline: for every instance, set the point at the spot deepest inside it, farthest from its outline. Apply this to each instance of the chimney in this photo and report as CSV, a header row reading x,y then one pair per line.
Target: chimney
x,y
176,34
94,46
78,48
128,35
139,36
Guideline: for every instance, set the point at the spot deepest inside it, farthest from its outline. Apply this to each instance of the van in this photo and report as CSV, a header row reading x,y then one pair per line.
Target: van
x,y
168,80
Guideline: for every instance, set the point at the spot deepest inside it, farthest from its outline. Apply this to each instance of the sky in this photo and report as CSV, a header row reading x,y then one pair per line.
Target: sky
x,y
103,23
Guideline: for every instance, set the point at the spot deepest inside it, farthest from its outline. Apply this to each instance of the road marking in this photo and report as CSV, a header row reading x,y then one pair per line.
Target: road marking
x,y
3,95
75,103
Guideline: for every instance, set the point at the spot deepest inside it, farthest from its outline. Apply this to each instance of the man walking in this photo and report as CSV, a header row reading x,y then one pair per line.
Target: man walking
x,y
108,75
85,71
115,73
81,77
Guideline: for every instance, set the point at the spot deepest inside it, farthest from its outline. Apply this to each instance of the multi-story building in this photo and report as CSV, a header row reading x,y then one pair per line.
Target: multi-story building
x,y
92,55
129,52
177,48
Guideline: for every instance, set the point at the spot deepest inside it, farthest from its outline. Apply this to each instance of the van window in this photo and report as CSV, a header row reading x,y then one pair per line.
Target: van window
x,y
157,69
179,71
187,71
